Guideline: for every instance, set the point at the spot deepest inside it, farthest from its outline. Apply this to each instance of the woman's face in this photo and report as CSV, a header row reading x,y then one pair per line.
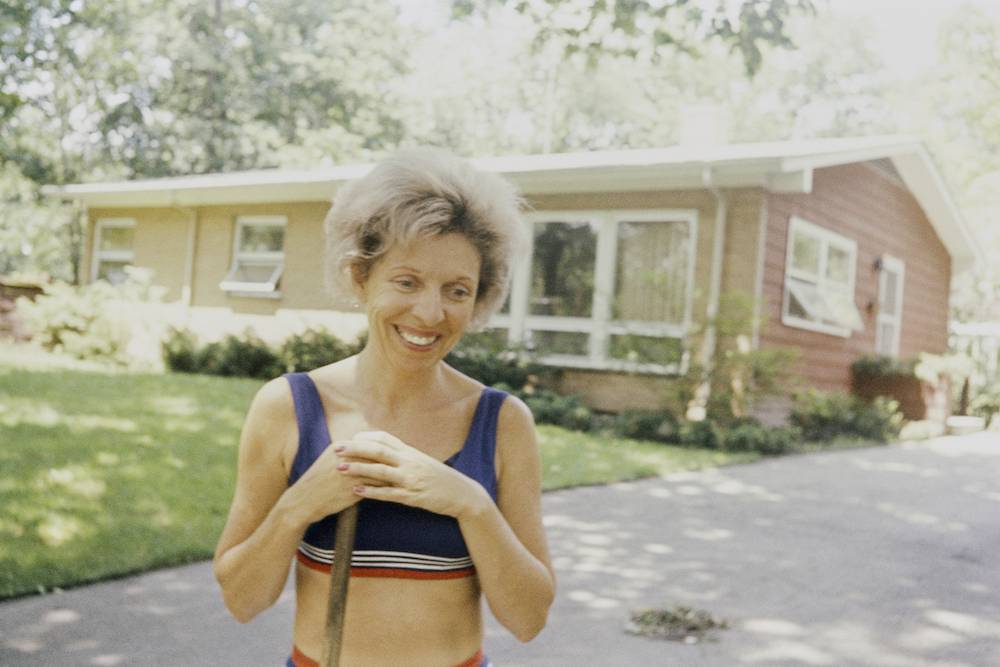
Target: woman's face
x,y
420,297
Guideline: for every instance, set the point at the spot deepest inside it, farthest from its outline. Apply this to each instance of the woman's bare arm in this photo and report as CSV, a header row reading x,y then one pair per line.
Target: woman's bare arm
x,y
506,540
262,532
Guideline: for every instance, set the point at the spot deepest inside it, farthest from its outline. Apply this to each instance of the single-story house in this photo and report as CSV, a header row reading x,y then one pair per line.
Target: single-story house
x,y
846,246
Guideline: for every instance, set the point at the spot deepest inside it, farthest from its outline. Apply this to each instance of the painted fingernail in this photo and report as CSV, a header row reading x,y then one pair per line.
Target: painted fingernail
x,y
342,466
359,489
339,448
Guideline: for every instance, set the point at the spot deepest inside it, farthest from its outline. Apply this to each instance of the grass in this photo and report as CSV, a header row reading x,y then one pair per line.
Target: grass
x,y
105,473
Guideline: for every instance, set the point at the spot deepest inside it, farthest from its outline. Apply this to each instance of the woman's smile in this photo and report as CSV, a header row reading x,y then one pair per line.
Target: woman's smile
x,y
415,339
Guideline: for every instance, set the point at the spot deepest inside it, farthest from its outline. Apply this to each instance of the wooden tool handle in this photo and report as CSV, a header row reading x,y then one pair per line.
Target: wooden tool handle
x,y
340,576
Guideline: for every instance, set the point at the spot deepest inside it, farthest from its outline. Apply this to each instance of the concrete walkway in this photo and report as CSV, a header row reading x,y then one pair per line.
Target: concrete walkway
x,y
887,556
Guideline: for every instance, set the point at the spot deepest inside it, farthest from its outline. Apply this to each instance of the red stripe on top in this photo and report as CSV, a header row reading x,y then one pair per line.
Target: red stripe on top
x,y
387,572
300,659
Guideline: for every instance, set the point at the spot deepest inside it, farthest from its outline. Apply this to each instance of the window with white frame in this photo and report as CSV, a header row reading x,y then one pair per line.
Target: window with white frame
x,y
112,250
606,289
890,306
819,280
258,257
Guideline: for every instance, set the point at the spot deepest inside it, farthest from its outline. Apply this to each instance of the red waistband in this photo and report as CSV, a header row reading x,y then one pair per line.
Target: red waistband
x,y
300,659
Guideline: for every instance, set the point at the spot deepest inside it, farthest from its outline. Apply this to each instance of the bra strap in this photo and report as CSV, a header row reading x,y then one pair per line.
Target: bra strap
x,y
311,419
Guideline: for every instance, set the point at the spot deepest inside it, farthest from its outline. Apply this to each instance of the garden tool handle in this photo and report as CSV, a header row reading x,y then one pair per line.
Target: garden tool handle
x,y
340,576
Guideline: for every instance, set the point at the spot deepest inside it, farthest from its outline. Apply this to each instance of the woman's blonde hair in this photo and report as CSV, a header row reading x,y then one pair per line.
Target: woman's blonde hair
x,y
418,193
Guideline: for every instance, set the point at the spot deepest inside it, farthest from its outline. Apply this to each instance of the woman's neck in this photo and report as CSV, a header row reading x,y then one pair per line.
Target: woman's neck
x,y
394,388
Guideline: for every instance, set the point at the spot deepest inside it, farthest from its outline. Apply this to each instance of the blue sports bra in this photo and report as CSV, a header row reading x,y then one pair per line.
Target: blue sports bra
x,y
395,540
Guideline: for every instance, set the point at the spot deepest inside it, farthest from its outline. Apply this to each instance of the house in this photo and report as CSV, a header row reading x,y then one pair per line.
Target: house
x,y
846,246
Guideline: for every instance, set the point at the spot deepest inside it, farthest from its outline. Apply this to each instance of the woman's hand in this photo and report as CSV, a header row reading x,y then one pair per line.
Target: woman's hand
x,y
405,475
324,489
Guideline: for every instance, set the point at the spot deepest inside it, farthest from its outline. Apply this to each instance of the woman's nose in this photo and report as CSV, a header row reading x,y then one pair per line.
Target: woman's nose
x,y
428,308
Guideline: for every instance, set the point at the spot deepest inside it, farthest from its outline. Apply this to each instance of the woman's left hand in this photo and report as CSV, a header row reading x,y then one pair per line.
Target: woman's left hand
x,y
407,475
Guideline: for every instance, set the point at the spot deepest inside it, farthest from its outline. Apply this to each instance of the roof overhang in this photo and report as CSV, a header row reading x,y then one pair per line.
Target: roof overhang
x,y
785,167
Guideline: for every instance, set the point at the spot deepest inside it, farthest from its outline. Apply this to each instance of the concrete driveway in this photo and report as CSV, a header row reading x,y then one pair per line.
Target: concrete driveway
x,y
887,556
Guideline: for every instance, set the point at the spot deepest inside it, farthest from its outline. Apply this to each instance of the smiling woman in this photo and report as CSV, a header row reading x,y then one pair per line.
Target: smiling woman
x,y
445,472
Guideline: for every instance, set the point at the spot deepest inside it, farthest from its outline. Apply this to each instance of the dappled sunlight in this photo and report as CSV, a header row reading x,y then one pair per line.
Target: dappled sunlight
x,y
776,627
57,529
16,411
920,518
77,480
784,650
174,406
895,466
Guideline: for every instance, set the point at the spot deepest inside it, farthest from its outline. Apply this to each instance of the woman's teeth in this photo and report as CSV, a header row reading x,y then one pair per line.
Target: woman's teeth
x,y
417,340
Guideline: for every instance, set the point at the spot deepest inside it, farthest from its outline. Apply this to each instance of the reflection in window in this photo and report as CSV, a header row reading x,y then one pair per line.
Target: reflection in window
x,y
559,342
651,271
113,251
647,349
259,259
562,269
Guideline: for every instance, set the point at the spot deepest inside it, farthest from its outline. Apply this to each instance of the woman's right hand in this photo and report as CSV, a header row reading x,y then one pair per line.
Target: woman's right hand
x,y
324,489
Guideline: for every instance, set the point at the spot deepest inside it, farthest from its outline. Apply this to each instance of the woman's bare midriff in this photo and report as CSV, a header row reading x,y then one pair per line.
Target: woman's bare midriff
x,y
413,622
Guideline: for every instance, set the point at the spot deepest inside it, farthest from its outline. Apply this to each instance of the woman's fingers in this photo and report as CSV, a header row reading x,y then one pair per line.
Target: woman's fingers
x,y
367,450
373,471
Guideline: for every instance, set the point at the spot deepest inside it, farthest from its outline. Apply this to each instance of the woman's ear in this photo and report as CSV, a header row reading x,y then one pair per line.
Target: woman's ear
x,y
358,283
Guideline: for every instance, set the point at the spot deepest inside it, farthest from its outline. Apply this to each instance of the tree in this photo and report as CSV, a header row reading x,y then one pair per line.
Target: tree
x,y
632,27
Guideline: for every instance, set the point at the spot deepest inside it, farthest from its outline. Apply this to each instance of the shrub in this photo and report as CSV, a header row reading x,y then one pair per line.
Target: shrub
x,y
704,433
549,407
824,416
749,437
180,351
658,425
96,321
248,356
313,348
487,358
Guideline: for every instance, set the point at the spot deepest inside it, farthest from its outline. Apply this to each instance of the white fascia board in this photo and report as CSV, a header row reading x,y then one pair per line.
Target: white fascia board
x,y
923,179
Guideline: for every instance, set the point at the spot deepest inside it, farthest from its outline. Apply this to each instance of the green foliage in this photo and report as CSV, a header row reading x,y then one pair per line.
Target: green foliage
x,y
749,437
548,407
95,322
986,403
313,348
825,416
656,425
487,358
250,356
705,433
632,28
738,374
880,366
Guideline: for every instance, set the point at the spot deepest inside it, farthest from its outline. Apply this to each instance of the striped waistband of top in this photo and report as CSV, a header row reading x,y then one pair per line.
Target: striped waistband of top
x,y
390,564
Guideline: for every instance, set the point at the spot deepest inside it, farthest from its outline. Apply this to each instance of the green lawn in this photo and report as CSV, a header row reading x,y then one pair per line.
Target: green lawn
x,y
105,473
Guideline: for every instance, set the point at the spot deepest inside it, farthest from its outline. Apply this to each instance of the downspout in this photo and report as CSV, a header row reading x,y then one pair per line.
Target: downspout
x,y
697,407
187,288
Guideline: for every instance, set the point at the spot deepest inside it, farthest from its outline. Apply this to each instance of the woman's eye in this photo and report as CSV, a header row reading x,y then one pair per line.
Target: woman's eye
x,y
405,283
459,293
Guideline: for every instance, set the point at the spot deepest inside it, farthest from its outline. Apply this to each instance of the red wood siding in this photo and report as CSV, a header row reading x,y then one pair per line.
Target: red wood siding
x,y
879,213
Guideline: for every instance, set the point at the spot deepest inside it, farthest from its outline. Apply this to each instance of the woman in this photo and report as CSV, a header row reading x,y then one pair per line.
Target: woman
x,y
447,471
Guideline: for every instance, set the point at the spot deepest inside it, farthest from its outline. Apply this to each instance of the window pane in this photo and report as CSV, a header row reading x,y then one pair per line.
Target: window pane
x,y
887,332
889,296
838,265
560,342
562,269
113,272
646,349
262,238
651,271
805,253
117,238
